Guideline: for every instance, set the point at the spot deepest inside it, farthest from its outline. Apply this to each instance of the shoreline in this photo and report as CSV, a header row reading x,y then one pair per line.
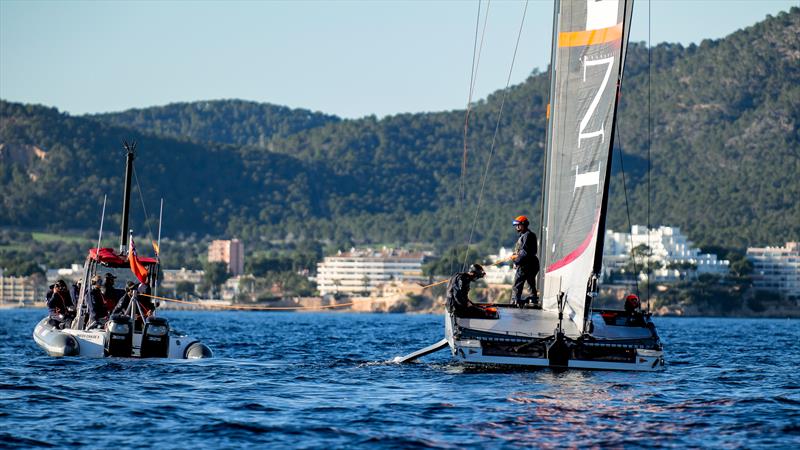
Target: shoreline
x,y
789,316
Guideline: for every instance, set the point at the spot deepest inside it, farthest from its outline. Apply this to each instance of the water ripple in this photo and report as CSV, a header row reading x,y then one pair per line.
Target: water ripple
x,y
284,380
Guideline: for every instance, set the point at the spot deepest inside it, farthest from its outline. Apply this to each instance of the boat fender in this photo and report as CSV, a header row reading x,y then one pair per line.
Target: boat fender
x,y
63,344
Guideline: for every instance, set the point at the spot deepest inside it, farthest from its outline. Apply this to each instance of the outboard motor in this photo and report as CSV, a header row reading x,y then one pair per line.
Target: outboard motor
x,y
155,338
119,337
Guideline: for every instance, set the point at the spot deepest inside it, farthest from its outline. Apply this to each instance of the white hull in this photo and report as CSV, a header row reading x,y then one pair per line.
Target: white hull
x,y
91,343
471,341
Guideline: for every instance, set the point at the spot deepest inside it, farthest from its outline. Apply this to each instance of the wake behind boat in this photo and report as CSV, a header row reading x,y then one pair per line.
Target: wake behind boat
x,y
103,320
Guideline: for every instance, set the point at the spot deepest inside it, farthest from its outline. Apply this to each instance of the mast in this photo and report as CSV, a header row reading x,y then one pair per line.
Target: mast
x,y
548,143
126,199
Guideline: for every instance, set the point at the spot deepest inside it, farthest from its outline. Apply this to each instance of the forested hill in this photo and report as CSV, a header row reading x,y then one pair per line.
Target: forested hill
x,y
725,157
226,121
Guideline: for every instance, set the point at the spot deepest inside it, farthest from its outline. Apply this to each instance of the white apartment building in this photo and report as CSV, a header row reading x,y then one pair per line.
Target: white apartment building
x,y
362,270
777,269
502,273
668,246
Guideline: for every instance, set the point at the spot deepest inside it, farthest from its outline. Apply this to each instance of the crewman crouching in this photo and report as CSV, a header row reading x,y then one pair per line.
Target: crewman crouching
x,y
458,295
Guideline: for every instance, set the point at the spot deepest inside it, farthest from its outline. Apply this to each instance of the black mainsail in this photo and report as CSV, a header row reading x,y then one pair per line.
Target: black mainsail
x,y
589,44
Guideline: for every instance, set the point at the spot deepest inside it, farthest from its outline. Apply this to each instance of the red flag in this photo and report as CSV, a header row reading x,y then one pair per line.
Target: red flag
x,y
136,267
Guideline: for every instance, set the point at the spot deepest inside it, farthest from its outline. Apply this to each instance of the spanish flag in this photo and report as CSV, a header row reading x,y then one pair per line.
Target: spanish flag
x,y
136,267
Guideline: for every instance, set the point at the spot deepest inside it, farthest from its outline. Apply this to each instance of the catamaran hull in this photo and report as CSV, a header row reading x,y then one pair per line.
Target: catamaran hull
x,y
484,352
92,343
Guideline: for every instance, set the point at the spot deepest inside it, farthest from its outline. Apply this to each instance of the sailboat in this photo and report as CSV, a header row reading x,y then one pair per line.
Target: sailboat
x,y
588,53
137,331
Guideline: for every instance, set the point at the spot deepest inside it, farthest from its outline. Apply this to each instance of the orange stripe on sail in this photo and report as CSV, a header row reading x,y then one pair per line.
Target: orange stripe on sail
x,y
590,37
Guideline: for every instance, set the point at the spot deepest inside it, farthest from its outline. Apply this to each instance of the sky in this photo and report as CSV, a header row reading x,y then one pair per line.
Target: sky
x,y
349,58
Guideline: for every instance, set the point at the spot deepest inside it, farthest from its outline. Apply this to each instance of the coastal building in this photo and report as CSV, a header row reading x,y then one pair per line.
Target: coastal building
x,y
172,277
239,287
231,252
668,246
501,273
21,290
777,269
362,270
69,274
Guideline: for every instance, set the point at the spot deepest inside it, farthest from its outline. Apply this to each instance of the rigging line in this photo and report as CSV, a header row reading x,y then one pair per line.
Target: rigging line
x,y
476,60
462,184
496,132
141,197
627,208
649,137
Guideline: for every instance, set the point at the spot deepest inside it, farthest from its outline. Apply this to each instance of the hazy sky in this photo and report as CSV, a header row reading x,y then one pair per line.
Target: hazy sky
x,y
350,58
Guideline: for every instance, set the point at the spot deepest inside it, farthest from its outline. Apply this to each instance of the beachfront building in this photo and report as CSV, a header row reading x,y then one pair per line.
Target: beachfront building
x,y
230,252
777,269
362,270
501,273
21,291
668,246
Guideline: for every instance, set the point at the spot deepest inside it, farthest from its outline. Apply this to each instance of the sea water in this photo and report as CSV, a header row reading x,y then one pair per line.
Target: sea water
x,y
322,380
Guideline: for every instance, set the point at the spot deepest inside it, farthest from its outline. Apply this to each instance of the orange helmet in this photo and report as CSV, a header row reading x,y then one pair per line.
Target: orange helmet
x,y
520,220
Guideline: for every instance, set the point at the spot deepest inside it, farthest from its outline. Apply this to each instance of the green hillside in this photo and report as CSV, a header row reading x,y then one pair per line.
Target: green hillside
x,y
225,121
204,185
725,157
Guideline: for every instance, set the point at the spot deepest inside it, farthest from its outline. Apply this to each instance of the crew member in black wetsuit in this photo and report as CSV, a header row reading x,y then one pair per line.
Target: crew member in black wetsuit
x,y
526,262
98,313
145,302
60,304
633,311
458,294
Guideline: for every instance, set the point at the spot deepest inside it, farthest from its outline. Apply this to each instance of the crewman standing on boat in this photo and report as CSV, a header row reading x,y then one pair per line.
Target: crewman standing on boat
x,y
525,261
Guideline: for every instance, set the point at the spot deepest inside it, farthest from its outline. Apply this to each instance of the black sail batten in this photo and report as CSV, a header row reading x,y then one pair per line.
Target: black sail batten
x,y
586,66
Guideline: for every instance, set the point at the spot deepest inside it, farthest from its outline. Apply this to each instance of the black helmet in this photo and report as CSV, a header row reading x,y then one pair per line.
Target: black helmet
x,y
477,269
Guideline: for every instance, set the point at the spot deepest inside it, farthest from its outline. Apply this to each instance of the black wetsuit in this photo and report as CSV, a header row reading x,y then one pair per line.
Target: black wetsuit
x,y
60,306
96,306
527,264
458,298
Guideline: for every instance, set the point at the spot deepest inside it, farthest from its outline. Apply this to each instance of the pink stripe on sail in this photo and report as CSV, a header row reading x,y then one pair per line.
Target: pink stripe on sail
x,y
577,252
